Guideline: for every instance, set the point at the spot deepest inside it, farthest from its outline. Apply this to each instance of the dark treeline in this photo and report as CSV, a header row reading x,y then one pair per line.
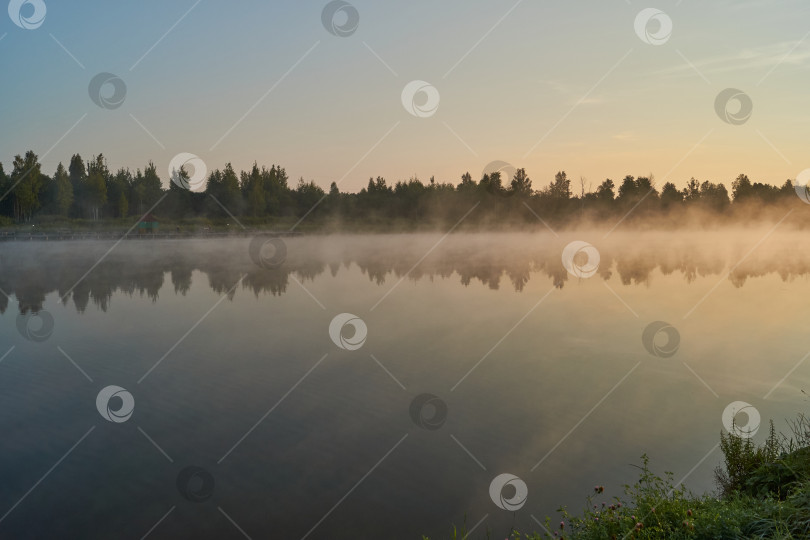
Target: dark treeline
x,y
89,190
145,267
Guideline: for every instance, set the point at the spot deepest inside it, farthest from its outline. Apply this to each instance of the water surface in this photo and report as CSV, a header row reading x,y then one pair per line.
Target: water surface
x,y
231,367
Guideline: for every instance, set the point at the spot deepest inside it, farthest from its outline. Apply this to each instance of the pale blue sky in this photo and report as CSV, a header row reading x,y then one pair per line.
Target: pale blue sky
x,y
645,108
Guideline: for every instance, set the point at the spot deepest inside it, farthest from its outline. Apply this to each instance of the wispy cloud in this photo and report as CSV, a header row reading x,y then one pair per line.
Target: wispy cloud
x,y
745,5
572,92
593,100
624,136
753,58
559,86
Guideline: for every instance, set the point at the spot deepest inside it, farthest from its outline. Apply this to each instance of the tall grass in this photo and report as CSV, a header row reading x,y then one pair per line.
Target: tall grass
x,y
763,492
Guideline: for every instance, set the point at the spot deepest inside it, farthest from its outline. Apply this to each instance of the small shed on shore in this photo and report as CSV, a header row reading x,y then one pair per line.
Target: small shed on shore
x,y
148,224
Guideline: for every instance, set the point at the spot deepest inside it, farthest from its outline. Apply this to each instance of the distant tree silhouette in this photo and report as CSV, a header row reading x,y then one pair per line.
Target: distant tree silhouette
x,y
87,190
714,196
671,196
26,183
605,193
467,184
253,192
741,188
521,184
77,174
5,190
560,188
95,188
63,191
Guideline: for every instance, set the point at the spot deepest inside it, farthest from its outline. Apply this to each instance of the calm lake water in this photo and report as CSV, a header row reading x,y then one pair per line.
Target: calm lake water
x,y
233,412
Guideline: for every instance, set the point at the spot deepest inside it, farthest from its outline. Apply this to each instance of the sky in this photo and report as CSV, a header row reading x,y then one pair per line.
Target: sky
x,y
546,85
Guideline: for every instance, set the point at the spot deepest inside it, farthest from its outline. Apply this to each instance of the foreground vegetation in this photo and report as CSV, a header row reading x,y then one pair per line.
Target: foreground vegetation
x,y
763,492
88,194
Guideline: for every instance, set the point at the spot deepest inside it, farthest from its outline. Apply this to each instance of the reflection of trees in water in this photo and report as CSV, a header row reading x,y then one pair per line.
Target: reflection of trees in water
x,y
71,270
181,279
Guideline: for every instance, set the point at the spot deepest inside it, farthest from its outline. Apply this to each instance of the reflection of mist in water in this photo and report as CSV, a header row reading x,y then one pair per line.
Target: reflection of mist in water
x,y
30,271
506,377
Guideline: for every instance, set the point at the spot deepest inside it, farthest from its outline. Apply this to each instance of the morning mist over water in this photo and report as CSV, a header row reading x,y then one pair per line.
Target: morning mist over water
x,y
269,264
486,352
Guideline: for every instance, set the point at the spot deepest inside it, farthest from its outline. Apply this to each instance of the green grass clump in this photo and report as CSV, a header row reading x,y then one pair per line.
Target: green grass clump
x,y
763,492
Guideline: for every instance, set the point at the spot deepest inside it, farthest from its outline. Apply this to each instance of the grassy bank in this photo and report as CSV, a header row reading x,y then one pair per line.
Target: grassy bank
x,y
48,224
763,492
196,225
